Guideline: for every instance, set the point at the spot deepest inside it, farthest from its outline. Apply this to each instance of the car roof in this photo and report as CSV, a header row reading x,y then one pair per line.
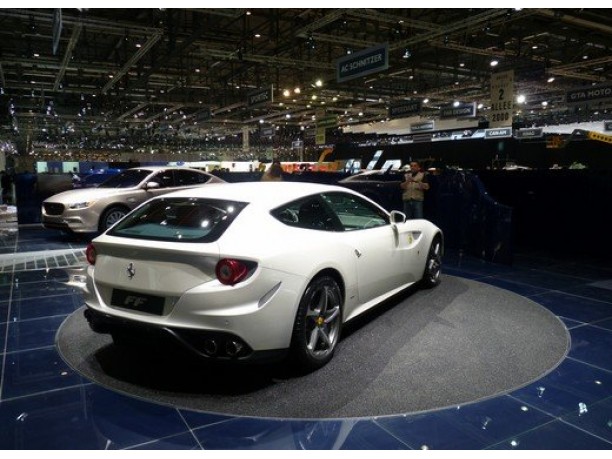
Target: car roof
x,y
266,194
374,173
160,168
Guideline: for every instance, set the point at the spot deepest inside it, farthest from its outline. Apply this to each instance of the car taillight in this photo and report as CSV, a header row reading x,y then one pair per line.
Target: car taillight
x,y
230,272
90,254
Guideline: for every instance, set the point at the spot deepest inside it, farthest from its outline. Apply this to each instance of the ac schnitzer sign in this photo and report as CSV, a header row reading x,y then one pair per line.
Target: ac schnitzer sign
x,y
364,62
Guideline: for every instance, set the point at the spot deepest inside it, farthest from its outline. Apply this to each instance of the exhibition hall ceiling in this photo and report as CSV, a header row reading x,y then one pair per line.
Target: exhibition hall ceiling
x,y
190,72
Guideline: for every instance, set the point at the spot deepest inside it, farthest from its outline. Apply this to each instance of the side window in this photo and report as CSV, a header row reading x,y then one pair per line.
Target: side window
x,y
309,213
186,178
164,178
355,213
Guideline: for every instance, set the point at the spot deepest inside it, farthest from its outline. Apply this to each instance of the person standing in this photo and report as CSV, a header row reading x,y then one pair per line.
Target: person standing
x,y
274,173
414,187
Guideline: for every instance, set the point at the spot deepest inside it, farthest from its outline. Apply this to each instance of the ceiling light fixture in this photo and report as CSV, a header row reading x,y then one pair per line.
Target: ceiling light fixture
x,y
551,79
494,62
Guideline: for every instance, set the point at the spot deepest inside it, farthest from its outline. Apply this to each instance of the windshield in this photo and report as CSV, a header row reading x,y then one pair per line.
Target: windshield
x,y
179,220
126,179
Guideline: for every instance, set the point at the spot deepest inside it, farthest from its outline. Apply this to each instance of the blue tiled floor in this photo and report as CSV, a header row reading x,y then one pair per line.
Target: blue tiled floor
x,y
46,405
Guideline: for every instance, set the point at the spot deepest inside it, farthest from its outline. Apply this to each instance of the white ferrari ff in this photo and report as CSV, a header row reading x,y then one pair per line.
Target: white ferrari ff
x,y
253,271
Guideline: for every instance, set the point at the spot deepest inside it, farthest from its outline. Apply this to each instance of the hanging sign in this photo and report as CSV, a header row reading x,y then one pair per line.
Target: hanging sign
x,y
498,133
362,63
590,94
328,121
460,111
404,109
56,29
529,133
502,99
261,96
420,127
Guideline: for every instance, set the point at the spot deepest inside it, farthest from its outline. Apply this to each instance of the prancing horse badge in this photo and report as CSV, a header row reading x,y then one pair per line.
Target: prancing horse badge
x,y
130,270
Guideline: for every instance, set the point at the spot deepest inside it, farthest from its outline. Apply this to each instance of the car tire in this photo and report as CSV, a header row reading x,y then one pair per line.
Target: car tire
x,y
110,216
122,340
318,324
433,264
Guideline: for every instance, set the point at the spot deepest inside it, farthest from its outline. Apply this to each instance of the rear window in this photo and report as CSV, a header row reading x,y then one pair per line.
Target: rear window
x,y
179,220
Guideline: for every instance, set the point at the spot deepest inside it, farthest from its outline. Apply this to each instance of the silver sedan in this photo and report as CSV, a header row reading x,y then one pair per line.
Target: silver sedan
x,y
90,210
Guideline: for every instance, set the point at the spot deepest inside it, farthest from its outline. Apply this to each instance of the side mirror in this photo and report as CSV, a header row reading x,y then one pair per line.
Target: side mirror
x,y
152,185
397,217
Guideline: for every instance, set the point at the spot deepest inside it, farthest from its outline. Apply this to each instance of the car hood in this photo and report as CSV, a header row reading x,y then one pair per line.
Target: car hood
x,y
86,194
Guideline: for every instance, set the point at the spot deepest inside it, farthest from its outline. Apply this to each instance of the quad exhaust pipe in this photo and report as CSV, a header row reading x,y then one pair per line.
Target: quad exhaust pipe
x,y
232,348
210,347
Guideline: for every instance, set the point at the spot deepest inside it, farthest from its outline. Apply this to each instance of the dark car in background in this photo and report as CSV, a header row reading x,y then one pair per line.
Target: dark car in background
x,y
457,202
378,185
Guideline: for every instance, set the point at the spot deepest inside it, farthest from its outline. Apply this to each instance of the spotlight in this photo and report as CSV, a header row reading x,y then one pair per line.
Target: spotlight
x,y
407,54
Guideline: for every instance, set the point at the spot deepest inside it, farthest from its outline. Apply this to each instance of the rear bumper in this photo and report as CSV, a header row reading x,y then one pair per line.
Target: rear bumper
x,y
206,344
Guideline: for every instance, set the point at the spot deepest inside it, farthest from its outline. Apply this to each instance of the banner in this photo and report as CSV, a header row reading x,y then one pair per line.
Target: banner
x,y
529,133
245,138
320,136
56,29
328,121
590,94
268,132
420,127
502,99
362,63
261,96
461,111
404,109
498,133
